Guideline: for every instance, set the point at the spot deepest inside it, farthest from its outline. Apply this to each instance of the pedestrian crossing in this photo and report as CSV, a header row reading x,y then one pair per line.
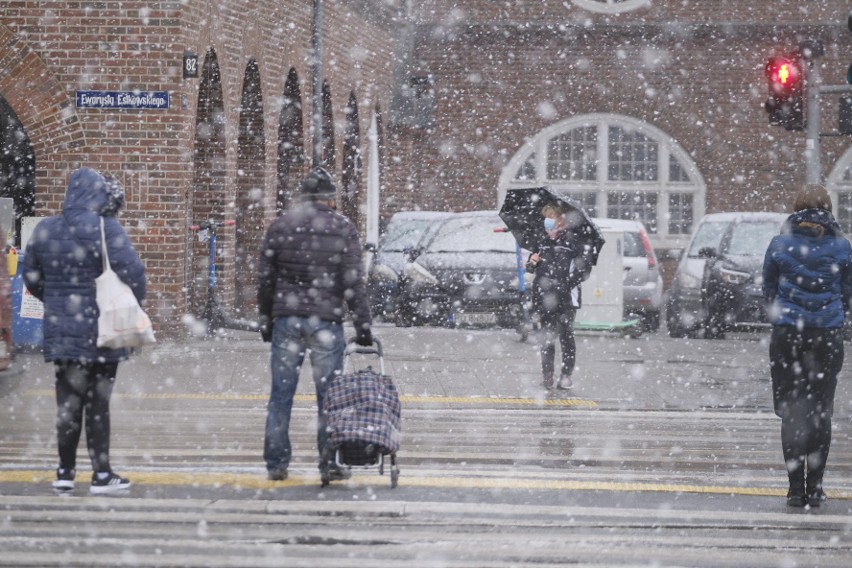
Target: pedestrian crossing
x,y
481,485
255,533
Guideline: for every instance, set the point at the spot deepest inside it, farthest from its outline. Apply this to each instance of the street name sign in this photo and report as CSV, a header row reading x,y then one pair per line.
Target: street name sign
x,y
135,100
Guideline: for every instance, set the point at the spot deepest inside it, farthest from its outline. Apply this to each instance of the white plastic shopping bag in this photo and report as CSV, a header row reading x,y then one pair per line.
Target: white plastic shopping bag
x,y
122,321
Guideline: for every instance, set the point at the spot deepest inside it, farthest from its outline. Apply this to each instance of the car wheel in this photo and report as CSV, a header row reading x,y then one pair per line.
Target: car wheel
x,y
673,324
651,321
404,316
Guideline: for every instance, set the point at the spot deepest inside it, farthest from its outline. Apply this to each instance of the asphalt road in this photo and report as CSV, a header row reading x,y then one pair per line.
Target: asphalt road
x,y
665,454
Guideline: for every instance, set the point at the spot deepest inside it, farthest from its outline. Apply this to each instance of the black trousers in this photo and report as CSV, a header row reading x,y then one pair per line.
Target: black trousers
x,y
83,391
804,366
558,324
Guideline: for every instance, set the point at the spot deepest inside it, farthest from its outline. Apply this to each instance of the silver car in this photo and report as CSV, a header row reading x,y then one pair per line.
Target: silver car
x,y
643,283
718,281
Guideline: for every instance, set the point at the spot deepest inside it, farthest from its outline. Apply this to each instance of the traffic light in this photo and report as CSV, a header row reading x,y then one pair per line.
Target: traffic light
x,y
786,102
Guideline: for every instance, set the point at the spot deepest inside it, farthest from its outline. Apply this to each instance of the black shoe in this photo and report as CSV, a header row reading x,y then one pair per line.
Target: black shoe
x,y
796,499
276,474
336,473
64,479
816,498
112,484
547,383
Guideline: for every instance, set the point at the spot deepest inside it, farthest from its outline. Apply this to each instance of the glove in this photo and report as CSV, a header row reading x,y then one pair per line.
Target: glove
x,y
364,337
266,331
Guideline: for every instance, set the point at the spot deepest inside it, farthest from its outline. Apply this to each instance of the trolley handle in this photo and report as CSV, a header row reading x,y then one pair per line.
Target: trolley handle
x,y
375,349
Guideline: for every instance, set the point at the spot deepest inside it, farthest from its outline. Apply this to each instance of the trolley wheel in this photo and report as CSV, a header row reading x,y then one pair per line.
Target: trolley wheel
x,y
381,467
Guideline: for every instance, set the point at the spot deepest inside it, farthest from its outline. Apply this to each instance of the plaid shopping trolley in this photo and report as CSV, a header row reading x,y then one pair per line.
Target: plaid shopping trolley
x,y
362,412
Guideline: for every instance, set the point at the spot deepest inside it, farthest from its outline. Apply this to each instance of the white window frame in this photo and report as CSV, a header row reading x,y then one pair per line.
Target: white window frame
x,y
610,7
666,147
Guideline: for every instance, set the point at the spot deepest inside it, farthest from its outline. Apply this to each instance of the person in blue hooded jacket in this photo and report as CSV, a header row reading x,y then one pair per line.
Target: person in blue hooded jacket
x,y
61,261
807,283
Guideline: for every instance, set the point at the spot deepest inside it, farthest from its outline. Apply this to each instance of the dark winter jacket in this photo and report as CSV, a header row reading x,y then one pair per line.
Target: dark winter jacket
x,y
310,265
807,272
61,262
566,261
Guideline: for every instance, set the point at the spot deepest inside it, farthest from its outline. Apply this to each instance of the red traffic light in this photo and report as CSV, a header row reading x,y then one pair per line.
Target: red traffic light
x,y
784,75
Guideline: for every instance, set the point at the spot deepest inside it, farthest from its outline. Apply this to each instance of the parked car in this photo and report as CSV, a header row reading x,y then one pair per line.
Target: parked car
x,y
718,283
643,283
403,232
464,273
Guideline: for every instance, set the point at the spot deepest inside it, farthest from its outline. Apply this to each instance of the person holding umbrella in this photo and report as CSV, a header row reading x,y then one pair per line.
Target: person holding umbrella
x,y
563,260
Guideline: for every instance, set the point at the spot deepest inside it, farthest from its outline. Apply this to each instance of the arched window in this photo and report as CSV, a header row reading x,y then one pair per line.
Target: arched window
x,y
251,168
17,168
617,167
291,145
611,6
328,156
350,178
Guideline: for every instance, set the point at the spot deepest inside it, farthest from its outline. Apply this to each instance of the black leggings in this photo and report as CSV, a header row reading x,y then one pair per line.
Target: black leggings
x,y
84,388
804,367
561,324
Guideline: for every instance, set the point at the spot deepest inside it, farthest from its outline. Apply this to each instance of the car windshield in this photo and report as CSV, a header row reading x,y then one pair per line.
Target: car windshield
x,y
404,234
752,238
707,235
472,234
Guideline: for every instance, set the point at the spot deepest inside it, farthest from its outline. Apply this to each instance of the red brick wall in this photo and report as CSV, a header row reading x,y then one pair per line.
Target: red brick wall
x,y
50,49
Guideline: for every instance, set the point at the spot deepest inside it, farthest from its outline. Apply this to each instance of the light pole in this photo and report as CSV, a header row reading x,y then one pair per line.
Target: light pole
x,y
316,117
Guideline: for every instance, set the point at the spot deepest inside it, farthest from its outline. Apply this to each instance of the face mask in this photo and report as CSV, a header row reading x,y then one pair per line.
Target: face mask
x,y
549,224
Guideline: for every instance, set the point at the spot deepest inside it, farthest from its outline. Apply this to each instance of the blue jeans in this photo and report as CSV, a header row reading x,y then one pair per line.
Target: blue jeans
x,y
292,337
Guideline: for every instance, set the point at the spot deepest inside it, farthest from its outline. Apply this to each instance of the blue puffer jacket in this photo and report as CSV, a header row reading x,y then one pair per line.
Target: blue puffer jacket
x,y
61,262
807,272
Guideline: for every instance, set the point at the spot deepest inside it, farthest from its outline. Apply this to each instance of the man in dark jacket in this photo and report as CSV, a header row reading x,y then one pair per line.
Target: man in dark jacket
x,y
310,270
62,260
807,283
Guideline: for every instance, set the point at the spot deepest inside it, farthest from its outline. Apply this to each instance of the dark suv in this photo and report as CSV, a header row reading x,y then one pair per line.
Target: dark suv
x,y
718,284
465,273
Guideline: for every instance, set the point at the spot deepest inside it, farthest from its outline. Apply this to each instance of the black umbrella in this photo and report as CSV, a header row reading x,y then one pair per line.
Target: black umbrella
x,y
521,212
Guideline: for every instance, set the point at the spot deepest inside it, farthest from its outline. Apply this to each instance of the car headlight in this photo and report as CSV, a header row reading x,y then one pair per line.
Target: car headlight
x,y
689,281
419,275
383,273
735,277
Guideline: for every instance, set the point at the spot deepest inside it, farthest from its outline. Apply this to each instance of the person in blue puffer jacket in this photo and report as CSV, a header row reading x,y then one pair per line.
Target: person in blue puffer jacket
x,y
807,283
61,261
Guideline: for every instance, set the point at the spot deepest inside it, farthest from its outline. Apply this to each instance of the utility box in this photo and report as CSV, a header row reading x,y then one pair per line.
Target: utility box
x,y
603,293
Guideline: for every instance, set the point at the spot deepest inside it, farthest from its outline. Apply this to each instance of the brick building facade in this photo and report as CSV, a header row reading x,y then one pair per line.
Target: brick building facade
x,y
646,108
217,151
639,108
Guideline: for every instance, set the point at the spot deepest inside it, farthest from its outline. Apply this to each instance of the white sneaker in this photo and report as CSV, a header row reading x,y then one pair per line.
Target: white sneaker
x,y
111,484
565,383
64,480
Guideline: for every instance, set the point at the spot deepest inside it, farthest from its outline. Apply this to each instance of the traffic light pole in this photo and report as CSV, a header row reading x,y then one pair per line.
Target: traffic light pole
x,y
813,160
813,170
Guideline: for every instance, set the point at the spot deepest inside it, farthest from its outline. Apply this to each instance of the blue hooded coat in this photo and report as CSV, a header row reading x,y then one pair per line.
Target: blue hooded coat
x,y
62,260
807,272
